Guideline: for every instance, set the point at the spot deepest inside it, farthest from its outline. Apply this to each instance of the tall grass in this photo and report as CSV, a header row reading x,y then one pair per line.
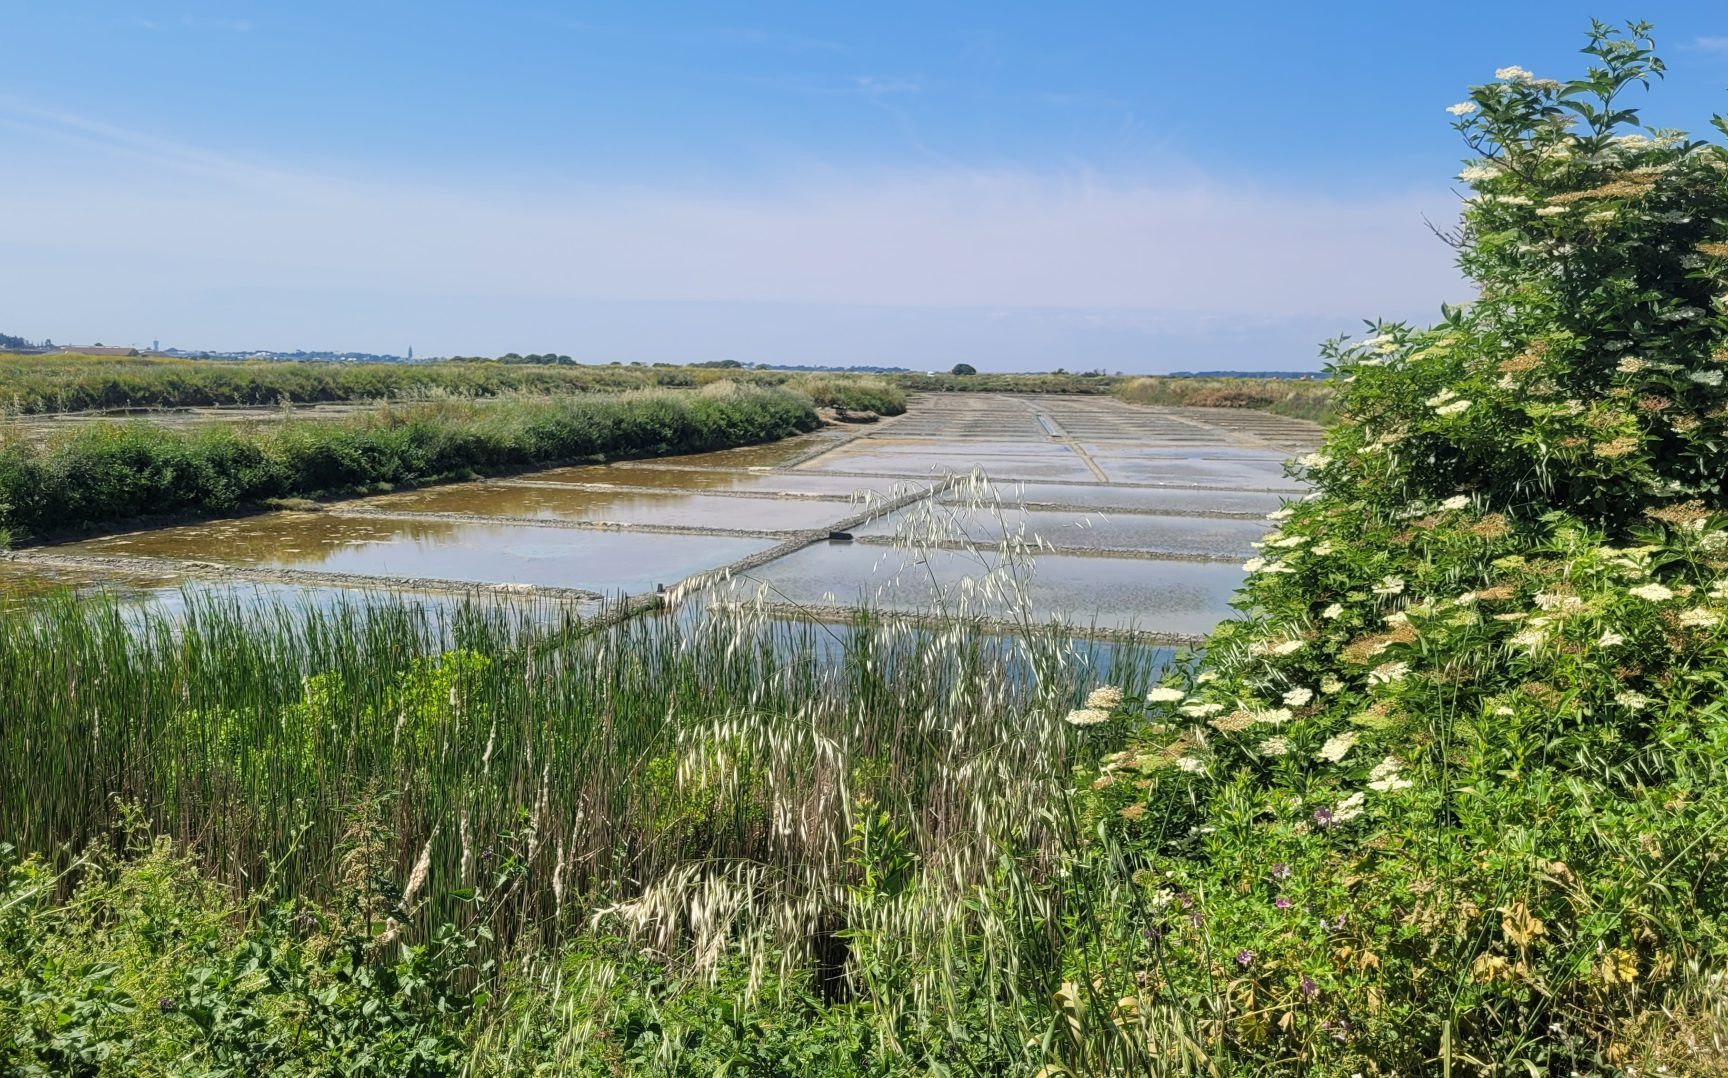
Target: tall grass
x,y
853,811
102,474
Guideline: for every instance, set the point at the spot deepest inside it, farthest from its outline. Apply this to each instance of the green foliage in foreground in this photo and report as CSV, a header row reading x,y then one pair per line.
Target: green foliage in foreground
x,y
684,844
103,474
1455,794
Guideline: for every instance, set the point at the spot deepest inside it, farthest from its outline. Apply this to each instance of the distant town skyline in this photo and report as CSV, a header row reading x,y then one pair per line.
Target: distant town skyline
x,y
1100,185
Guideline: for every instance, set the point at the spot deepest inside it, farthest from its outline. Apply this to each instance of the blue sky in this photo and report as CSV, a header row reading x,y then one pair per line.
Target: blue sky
x,y
1138,187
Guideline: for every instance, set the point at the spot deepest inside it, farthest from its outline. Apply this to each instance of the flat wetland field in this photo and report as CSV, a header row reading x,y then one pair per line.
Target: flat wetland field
x,y
1136,516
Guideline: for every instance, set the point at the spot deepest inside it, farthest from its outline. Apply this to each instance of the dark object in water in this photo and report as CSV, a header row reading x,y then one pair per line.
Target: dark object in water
x,y
839,537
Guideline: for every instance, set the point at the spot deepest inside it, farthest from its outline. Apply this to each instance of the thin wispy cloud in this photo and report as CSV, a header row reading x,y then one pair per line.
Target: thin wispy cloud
x,y
1153,255
238,26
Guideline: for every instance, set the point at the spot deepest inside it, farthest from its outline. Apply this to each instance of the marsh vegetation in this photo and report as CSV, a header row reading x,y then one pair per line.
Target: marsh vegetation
x,y
1450,796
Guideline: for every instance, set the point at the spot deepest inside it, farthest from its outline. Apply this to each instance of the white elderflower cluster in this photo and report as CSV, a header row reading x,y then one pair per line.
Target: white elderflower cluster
x,y
1385,777
1390,585
1388,672
1337,746
1348,809
1105,697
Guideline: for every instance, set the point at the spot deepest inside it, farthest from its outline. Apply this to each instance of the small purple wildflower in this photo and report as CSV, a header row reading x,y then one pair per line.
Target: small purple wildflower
x,y
1282,902
166,1004
1323,816
1309,988
1280,871
1339,923
1244,957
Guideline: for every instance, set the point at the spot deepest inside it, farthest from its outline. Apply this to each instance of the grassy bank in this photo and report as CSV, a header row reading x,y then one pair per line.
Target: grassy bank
x,y
104,474
32,385
1298,398
726,845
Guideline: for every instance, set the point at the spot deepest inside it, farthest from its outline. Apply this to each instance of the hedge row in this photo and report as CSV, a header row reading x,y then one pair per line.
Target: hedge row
x,y
105,474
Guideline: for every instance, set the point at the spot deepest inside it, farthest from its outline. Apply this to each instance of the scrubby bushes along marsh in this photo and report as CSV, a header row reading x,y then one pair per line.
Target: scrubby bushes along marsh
x,y
31,384
106,473
1299,398
1455,795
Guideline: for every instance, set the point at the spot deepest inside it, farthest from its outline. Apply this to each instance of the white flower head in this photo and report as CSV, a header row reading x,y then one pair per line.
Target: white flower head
x,y
1191,764
1632,701
1106,697
1275,746
1388,672
1457,501
1698,618
1347,809
1201,711
1333,611
1385,777
1287,647
1513,74
1253,565
1274,716
1390,585
1454,408
1088,716
1298,697
1330,685
1462,108
1337,746
1652,592
1552,211
1610,639
1706,378
1530,639
1165,694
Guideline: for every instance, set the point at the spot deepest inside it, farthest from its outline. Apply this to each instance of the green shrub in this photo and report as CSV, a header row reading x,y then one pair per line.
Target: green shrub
x,y
859,393
1459,779
106,473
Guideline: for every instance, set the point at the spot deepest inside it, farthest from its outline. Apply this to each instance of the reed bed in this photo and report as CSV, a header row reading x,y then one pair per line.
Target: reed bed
x,y
816,806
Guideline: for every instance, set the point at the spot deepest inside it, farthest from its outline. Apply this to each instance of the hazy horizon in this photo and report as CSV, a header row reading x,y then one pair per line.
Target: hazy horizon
x,y
902,187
